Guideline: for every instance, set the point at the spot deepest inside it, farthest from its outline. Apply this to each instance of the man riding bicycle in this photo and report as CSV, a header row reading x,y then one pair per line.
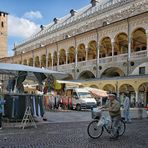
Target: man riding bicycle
x,y
114,111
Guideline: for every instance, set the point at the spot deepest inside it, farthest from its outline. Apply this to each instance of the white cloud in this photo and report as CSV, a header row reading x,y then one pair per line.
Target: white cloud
x,y
33,15
21,27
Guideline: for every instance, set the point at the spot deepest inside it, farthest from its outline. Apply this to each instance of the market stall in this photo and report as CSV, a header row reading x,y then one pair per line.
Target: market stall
x,y
13,77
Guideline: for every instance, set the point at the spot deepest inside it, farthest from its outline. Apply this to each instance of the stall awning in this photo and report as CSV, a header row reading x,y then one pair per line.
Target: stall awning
x,y
7,68
68,82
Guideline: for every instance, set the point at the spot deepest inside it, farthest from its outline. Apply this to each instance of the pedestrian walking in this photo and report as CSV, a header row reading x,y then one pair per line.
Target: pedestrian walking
x,y
1,110
126,109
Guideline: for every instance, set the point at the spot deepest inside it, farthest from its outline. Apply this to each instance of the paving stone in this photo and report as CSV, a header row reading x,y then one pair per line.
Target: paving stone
x,y
72,135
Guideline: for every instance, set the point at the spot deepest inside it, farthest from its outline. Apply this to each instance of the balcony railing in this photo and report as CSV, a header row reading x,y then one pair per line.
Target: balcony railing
x,y
66,67
87,63
115,59
139,54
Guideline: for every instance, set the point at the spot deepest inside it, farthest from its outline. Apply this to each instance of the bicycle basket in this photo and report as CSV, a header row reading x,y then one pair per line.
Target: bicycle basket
x,y
96,113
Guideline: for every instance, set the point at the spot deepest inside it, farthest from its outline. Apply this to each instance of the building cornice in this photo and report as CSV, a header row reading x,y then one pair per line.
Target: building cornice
x,y
108,15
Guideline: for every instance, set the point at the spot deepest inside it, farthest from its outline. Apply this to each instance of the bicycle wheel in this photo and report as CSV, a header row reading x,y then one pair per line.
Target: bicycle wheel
x,y
121,128
93,130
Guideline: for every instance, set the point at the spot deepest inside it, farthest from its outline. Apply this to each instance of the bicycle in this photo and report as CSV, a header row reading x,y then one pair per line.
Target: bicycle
x,y
96,127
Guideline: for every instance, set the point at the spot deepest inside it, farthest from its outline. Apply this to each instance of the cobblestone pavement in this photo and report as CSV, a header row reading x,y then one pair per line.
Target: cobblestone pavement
x,y
72,135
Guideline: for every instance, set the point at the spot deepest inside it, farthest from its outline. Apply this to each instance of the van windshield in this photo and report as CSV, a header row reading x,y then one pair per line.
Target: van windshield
x,y
84,95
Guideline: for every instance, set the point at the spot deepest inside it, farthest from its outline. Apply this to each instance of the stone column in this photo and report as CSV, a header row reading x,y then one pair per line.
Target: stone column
x,y
52,61
112,43
76,62
129,46
147,41
98,53
40,61
33,58
136,96
46,58
86,56
58,58
76,59
67,57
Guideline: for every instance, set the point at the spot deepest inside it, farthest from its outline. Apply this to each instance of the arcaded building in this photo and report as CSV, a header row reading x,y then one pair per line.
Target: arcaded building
x,y
3,34
103,45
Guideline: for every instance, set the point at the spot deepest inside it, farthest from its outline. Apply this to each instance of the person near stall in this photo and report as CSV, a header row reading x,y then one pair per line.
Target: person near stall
x,y
1,110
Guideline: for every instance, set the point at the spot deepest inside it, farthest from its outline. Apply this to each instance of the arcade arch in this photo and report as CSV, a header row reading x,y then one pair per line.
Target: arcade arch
x,y
55,58
49,60
86,75
113,72
139,40
43,60
94,86
81,53
25,62
143,94
121,44
30,62
37,62
62,57
71,55
105,47
109,88
92,47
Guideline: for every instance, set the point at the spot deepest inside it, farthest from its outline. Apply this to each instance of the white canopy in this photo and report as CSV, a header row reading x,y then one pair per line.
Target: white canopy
x,y
6,68
68,82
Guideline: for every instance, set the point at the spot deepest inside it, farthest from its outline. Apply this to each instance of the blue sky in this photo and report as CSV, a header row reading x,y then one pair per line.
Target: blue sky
x,y
26,16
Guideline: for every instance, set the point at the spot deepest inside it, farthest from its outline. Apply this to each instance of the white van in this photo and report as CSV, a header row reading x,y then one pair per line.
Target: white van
x,y
82,99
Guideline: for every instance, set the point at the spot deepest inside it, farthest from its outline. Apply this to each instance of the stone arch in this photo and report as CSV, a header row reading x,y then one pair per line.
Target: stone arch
x,y
121,44
71,55
113,72
143,94
93,86
92,50
127,89
81,53
86,75
109,88
30,62
49,60
25,62
43,60
139,40
105,47
62,57
37,61
55,58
